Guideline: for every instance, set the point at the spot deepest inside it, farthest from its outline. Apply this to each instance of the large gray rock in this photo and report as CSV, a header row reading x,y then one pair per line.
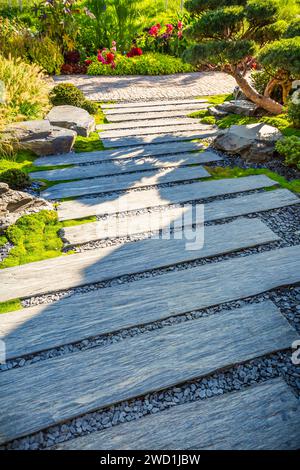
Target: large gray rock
x,y
254,142
71,117
243,107
14,204
40,137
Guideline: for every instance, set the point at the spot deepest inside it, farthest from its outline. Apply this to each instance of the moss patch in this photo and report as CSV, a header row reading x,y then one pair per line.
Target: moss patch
x,y
10,306
88,144
216,99
218,172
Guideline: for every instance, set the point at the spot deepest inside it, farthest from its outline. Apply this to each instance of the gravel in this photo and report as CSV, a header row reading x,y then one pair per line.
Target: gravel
x,y
4,250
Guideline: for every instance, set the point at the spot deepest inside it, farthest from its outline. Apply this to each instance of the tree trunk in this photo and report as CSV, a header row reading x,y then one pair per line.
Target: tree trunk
x,y
264,102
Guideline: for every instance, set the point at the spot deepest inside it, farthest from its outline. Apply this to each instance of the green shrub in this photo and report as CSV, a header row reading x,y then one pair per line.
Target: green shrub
x,y
294,113
46,53
69,94
26,90
293,29
260,80
146,64
208,120
289,148
16,179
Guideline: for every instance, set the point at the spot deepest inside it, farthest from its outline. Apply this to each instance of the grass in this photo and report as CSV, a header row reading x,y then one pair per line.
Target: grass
x,y
36,237
10,306
237,172
93,142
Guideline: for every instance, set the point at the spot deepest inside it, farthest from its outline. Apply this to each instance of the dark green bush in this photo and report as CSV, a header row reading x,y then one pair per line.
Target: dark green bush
x,y
16,179
293,29
260,80
69,94
289,148
294,113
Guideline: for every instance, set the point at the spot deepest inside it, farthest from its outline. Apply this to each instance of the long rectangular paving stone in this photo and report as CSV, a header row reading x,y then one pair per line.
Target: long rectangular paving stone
x,y
119,154
127,166
147,222
60,388
142,104
125,181
106,263
189,107
182,121
109,134
208,131
150,116
263,417
111,309
160,197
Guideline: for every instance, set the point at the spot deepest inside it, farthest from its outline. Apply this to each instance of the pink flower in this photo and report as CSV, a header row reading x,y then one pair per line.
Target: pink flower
x,y
179,34
169,28
114,43
113,48
153,31
179,25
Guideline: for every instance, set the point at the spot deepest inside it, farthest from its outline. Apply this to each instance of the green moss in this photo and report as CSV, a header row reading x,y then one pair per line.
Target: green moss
x,y
237,172
88,144
216,99
3,240
199,114
10,306
208,120
72,222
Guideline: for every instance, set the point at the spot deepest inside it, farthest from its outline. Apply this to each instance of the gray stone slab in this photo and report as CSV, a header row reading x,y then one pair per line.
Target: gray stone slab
x,y
151,123
147,222
262,417
208,131
125,181
160,197
191,126
119,154
116,167
188,107
60,388
149,116
142,104
106,263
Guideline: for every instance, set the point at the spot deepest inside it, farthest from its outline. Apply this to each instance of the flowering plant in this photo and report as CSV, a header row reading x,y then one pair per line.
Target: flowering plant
x,y
166,38
134,51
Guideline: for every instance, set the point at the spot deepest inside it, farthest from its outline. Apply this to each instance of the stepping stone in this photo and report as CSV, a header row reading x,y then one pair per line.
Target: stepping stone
x,y
119,154
117,167
208,131
151,130
186,107
147,222
123,182
72,117
142,104
164,196
151,123
152,115
114,261
103,311
81,382
261,417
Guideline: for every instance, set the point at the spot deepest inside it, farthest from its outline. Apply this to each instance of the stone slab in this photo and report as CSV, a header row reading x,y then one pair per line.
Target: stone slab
x,y
125,181
139,104
188,107
160,197
170,129
151,116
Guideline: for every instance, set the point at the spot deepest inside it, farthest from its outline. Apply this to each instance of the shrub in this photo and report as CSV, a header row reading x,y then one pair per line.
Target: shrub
x,y
46,53
147,64
289,148
260,81
293,29
16,179
26,91
69,94
294,113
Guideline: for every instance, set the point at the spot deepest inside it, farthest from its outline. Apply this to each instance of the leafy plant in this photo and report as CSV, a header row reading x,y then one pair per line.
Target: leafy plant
x,y
289,148
25,90
294,112
69,94
15,178
147,64
46,53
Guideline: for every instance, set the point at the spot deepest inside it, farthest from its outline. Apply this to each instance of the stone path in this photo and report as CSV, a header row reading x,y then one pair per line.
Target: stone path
x,y
154,302
168,87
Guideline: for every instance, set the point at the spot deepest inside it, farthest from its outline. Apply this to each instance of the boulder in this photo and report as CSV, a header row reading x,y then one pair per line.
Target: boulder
x,y
40,137
14,204
243,107
217,113
254,142
71,117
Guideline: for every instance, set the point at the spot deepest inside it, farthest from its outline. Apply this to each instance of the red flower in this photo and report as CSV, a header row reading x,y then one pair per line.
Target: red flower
x,y
88,61
179,34
109,58
169,28
153,31
135,51
179,25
